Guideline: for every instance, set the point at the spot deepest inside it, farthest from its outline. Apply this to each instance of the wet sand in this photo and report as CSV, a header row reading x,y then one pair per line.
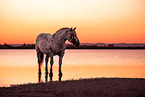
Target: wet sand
x,y
98,87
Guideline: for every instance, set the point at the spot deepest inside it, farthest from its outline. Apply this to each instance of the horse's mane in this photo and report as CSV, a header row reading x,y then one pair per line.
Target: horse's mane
x,y
59,30
62,29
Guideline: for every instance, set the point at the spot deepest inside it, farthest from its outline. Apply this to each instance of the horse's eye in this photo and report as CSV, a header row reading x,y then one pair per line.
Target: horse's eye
x,y
70,37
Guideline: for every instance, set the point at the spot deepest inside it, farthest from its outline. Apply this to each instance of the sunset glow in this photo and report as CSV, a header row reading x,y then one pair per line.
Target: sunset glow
x,y
107,21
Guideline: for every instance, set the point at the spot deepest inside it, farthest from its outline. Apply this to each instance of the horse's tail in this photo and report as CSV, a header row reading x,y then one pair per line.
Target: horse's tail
x,y
40,57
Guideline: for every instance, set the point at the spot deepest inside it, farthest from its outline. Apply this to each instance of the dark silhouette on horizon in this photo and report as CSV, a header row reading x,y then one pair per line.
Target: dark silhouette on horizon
x,y
82,46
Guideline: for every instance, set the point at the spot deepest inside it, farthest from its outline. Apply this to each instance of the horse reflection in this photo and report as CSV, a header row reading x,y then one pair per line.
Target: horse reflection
x,y
52,45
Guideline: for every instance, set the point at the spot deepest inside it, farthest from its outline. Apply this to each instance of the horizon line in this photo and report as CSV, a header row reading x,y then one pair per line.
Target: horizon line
x,y
80,43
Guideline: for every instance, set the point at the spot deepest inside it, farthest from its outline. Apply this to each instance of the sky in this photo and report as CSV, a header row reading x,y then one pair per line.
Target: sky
x,y
96,21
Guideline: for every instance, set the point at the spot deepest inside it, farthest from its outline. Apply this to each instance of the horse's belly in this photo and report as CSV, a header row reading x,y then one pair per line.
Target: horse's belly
x,y
47,52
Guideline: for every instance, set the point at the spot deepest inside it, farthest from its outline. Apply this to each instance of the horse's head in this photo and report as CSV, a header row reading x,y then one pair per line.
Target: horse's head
x,y
72,37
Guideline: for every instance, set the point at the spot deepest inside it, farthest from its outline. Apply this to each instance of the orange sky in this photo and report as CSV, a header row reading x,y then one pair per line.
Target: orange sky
x,y
107,21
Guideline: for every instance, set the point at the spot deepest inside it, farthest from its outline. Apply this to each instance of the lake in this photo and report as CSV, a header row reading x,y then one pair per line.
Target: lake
x,y
20,66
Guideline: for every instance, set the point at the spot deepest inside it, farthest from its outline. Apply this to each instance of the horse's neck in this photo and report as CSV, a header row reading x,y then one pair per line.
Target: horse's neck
x,y
61,35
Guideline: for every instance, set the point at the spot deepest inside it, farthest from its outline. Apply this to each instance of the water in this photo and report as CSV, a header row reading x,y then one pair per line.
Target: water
x,y
20,66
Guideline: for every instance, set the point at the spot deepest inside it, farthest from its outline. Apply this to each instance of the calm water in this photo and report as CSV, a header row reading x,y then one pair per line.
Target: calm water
x,y
20,66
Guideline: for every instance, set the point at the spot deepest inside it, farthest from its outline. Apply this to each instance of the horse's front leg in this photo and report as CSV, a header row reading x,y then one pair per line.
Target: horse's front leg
x,y
46,68
60,63
51,73
40,60
39,73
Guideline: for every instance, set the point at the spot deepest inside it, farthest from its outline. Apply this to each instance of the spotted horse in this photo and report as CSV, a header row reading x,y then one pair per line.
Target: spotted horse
x,y
52,45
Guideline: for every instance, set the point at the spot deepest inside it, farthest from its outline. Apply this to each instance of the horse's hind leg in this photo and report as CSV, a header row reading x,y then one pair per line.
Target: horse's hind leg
x,y
60,63
51,73
46,68
40,61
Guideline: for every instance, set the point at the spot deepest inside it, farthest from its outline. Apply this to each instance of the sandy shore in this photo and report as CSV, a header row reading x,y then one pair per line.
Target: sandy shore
x,y
99,87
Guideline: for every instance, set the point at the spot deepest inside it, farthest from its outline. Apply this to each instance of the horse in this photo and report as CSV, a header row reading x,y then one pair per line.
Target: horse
x,y
51,45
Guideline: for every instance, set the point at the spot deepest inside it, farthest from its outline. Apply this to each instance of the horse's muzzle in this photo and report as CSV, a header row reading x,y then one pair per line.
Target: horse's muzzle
x,y
77,43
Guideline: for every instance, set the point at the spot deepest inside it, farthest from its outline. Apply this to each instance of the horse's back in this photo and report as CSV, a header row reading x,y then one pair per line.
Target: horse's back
x,y
41,37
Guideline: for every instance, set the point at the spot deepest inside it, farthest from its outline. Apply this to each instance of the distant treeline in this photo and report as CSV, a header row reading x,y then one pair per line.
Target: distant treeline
x,y
70,46
24,46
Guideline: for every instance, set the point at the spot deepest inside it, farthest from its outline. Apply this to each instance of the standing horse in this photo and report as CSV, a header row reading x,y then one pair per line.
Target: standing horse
x,y
52,45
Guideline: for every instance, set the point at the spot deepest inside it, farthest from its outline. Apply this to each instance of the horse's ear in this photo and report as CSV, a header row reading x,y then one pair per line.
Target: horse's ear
x,y
70,28
66,31
74,28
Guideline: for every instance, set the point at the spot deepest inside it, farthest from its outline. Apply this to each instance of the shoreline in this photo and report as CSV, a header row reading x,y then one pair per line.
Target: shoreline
x,y
95,87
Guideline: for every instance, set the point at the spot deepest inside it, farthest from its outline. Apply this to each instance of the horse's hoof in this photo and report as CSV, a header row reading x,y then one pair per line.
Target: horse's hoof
x,y
60,76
